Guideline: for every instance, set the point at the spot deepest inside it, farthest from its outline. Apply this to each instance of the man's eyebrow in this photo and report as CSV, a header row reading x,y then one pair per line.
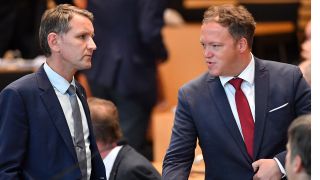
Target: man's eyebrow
x,y
82,32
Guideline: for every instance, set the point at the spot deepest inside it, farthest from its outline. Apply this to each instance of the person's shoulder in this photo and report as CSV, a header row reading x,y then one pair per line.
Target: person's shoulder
x,y
20,88
132,158
275,66
198,81
131,155
23,83
136,166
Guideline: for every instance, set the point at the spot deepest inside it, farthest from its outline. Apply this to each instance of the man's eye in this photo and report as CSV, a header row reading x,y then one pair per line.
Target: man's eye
x,y
216,45
212,46
82,36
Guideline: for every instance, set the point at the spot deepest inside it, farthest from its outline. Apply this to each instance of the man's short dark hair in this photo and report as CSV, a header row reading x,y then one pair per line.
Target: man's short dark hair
x,y
299,135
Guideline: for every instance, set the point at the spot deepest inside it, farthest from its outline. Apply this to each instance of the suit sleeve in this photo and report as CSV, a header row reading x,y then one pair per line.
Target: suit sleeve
x,y
180,154
151,23
302,94
302,102
13,133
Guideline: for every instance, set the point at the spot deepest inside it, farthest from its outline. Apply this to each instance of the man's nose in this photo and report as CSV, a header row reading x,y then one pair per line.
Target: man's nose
x,y
92,44
207,53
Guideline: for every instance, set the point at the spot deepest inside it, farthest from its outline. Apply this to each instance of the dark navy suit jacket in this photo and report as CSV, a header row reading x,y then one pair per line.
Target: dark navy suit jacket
x,y
131,165
129,42
204,112
35,141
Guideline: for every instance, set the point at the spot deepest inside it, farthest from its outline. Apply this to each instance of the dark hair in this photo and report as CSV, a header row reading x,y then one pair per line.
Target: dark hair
x,y
299,135
237,19
57,20
105,120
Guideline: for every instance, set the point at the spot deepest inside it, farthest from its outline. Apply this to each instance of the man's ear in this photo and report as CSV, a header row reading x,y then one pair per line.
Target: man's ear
x,y
297,164
242,44
53,42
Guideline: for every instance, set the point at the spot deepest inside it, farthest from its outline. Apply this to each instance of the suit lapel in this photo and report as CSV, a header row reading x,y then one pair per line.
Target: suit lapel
x,y
54,109
83,99
221,101
261,81
96,160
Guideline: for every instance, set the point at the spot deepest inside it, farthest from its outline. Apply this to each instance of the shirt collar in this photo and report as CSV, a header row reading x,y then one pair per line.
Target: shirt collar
x,y
247,74
56,80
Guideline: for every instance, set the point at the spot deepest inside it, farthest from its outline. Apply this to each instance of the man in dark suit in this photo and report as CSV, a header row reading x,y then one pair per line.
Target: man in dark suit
x,y
239,110
121,160
128,34
39,127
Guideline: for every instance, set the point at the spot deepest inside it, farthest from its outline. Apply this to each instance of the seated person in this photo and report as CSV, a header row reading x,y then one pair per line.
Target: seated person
x,y
121,161
298,159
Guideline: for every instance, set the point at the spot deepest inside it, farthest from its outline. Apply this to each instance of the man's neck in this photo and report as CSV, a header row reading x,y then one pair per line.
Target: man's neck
x,y
60,68
106,149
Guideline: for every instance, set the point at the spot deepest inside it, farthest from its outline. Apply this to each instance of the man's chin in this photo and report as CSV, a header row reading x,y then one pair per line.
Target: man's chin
x,y
87,66
214,73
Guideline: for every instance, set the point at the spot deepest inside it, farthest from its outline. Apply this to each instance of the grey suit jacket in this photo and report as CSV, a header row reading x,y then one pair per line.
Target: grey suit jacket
x,y
130,165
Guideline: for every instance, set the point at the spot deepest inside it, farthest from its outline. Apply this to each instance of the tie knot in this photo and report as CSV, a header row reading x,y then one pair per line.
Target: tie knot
x,y
71,90
236,83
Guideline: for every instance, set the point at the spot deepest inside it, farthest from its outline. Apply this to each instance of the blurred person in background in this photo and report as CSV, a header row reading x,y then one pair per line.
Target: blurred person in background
x,y
305,66
19,24
298,159
128,34
121,160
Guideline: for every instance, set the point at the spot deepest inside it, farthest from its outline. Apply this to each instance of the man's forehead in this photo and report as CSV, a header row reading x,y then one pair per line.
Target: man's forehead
x,y
81,24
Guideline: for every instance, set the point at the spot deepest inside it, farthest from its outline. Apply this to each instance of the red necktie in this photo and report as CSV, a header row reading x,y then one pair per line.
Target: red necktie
x,y
245,116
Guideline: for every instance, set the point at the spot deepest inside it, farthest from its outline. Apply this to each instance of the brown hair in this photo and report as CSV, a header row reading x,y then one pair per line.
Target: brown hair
x,y
105,120
237,19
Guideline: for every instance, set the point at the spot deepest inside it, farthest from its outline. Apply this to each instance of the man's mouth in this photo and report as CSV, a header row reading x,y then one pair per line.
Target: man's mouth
x,y
210,62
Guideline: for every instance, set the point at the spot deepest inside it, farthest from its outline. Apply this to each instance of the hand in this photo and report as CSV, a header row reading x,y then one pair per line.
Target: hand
x,y
266,169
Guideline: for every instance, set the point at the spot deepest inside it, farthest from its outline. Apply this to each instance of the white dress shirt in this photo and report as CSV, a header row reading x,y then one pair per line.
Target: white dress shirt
x,y
108,161
61,86
248,88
